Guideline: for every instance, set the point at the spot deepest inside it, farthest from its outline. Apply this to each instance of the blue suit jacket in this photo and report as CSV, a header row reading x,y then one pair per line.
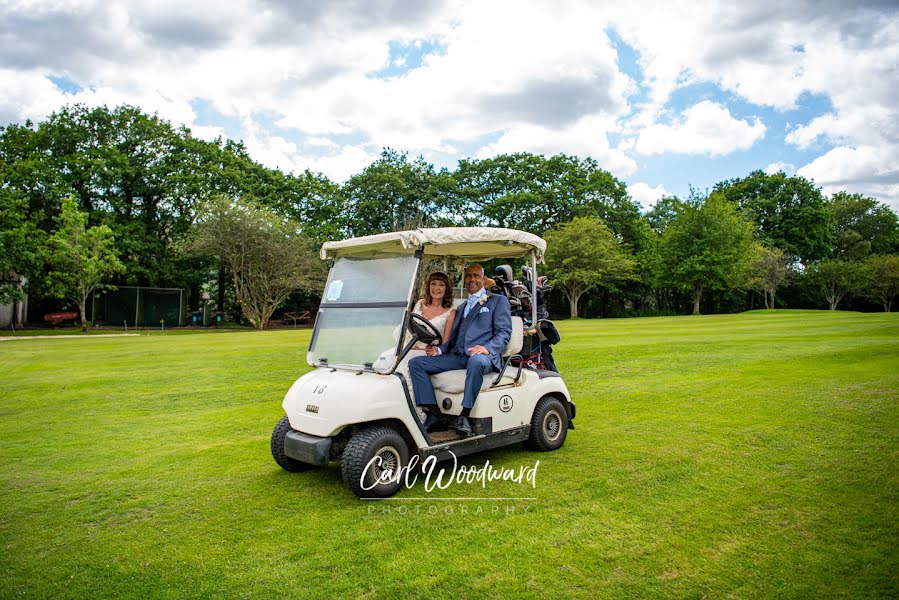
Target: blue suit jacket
x,y
488,324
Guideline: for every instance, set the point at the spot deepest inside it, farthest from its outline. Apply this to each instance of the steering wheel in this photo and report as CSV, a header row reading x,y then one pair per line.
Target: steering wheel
x,y
424,331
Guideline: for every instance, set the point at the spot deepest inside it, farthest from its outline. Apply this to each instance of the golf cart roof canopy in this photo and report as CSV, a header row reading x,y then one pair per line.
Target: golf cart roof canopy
x,y
464,242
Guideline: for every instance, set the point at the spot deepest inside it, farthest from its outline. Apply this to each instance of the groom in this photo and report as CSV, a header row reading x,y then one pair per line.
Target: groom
x,y
482,328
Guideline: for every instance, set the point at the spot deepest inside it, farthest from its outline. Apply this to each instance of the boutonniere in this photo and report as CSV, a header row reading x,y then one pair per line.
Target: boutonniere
x,y
483,299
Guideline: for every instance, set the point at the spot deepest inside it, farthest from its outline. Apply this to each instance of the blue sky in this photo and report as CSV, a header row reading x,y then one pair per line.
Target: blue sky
x,y
663,95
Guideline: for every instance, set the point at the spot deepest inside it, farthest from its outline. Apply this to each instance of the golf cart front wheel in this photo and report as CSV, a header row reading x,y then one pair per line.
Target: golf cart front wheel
x,y
285,462
373,462
549,425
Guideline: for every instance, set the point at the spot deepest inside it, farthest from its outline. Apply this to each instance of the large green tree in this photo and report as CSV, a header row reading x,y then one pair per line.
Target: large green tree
x,y
81,258
265,255
584,254
770,268
126,169
317,204
536,193
836,278
882,278
707,245
145,179
788,212
22,247
861,226
663,212
394,194
29,184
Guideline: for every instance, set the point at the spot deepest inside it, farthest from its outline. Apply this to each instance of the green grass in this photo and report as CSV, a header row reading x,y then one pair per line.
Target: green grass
x,y
752,455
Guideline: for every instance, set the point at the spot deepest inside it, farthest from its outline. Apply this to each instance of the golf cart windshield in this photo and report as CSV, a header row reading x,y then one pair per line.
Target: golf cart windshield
x,y
362,312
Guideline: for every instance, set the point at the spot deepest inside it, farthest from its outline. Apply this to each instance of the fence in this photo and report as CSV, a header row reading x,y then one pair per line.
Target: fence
x,y
140,306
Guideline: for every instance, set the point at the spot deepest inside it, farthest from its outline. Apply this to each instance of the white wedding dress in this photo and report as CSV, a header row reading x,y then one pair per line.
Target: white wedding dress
x,y
439,322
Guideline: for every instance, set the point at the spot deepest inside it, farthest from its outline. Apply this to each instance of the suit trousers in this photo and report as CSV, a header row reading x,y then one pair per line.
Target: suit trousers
x,y
422,367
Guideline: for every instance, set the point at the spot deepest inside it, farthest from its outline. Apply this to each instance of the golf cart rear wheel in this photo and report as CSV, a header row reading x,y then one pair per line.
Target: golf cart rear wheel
x,y
549,425
373,461
285,462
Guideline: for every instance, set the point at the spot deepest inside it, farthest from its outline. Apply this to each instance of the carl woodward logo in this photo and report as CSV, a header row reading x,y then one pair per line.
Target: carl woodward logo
x,y
444,477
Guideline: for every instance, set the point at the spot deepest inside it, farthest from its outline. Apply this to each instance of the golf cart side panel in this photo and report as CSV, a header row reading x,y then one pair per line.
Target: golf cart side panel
x,y
324,401
507,406
512,406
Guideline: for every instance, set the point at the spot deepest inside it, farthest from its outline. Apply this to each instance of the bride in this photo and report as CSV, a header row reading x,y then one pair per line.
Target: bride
x,y
437,305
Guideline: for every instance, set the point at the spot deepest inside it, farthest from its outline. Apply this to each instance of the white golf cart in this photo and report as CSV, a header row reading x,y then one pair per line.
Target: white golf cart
x,y
357,405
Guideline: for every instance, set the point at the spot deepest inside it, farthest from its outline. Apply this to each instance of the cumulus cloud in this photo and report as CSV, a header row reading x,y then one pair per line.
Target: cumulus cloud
x,y
866,170
767,52
526,75
705,128
27,95
584,138
778,167
342,165
311,64
770,53
646,195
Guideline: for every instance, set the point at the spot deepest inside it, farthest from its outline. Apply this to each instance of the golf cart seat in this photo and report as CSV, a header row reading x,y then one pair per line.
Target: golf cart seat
x,y
453,382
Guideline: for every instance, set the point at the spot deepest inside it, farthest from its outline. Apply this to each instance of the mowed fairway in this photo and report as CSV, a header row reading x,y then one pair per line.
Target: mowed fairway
x,y
752,455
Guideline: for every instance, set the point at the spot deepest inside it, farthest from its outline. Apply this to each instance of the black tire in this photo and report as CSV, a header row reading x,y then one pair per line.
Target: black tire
x,y
549,425
359,468
285,462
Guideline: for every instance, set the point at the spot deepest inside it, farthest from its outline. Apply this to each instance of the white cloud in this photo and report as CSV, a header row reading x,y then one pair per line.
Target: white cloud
x,y
546,67
771,53
647,196
531,75
706,128
28,95
585,138
320,141
207,132
341,166
780,166
273,151
865,170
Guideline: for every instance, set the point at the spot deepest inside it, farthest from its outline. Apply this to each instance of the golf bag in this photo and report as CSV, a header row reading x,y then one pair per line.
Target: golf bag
x,y
537,351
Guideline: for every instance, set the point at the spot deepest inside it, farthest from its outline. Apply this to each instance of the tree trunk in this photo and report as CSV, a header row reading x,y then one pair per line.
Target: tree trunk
x,y
572,301
833,301
697,292
772,298
765,294
81,306
265,315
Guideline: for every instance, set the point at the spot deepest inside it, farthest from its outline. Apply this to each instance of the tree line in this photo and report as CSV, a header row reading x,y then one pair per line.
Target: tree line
x,y
163,208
